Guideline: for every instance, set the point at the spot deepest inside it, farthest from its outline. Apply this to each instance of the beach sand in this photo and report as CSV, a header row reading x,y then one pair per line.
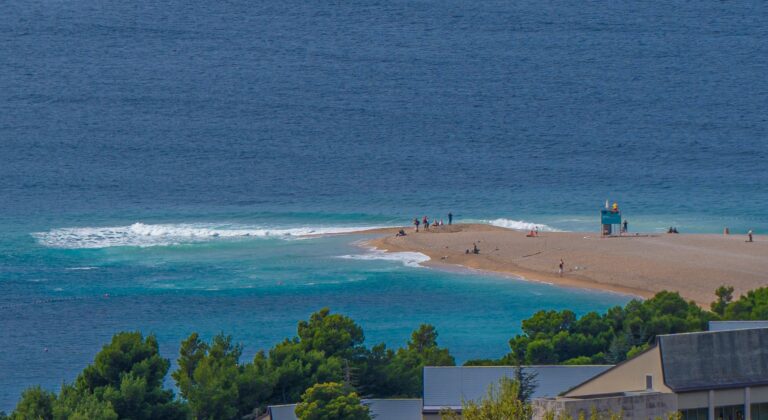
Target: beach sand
x,y
692,264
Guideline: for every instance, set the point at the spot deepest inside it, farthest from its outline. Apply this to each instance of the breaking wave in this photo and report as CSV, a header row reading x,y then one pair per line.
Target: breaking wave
x,y
145,235
520,225
409,259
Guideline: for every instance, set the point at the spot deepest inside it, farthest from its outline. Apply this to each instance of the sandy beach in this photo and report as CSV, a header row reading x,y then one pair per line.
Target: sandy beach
x,y
692,264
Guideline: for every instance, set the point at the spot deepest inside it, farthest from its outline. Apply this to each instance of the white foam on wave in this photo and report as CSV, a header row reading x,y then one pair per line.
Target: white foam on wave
x,y
145,235
408,259
520,225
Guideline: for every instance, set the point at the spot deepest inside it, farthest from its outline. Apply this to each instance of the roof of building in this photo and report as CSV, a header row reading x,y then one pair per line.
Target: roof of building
x,y
715,359
449,386
395,409
282,412
381,409
736,325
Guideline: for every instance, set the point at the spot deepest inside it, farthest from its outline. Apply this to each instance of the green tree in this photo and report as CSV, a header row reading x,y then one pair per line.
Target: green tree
x,y
332,334
408,363
527,383
541,352
35,403
560,337
331,401
724,296
125,379
255,384
214,383
548,323
502,402
128,352
374,373
294,370
752,306
74,404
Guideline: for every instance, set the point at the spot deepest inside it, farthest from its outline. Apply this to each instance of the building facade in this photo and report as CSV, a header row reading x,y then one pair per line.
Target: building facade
x,y
712,375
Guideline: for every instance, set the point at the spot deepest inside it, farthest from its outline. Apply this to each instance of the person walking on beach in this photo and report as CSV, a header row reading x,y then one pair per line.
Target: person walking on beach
x,y
425,222
416,223
625,226
450,218
561,267
749,235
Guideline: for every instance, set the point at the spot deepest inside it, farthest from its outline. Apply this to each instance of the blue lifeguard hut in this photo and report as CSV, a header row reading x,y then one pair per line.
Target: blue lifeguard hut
x,y
610,216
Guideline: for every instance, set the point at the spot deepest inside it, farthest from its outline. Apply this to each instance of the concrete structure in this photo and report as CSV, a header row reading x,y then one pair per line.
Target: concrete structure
x,y
381,409
633,405
448,387
712,375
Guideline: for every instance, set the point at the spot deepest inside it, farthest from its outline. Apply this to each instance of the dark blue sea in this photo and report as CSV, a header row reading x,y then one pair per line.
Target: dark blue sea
x,y
160,161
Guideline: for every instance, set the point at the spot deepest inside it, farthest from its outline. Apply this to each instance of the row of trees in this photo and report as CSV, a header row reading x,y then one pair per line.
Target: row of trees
x,y
126,378
560,337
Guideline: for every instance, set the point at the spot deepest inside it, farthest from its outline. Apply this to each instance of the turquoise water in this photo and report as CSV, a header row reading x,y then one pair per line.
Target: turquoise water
x,y
61,305
158,161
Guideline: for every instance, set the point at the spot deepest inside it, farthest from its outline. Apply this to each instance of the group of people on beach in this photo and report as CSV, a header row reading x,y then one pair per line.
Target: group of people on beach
x,y
425,223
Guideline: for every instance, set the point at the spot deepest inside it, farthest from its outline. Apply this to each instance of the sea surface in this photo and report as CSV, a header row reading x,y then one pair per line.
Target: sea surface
x,y
160,162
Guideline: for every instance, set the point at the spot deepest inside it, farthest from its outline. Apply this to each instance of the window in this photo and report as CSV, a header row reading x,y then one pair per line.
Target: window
x,y
694,414
730,412
759,411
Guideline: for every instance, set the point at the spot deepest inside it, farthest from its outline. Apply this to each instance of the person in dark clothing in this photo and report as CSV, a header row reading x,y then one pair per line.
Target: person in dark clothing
x,y
450,218
416,223
625,225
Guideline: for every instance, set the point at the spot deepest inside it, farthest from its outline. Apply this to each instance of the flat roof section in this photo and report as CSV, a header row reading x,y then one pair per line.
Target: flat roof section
x,y
449,386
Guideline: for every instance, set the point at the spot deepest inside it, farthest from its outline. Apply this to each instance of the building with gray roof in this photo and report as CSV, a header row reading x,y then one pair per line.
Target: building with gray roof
x,y
447,387
736,325
704,375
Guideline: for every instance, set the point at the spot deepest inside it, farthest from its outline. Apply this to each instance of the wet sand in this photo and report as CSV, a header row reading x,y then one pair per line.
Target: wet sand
x,y
693,265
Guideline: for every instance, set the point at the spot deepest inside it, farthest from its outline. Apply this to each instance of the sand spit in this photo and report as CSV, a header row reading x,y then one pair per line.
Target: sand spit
x,y
692,264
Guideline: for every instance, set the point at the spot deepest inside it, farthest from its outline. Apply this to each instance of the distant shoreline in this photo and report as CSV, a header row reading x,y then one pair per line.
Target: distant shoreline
x,y
692,264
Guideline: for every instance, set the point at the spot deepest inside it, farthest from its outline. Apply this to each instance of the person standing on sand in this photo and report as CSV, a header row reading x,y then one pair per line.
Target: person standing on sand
x,y
749,235
450,218
625,225
416,223
425,222
561,267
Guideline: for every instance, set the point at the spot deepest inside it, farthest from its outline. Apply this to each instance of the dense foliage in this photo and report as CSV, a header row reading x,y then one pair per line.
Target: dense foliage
x,y
560,337
553,337
328,348
126,378
331,401
752,306
501,402
124,381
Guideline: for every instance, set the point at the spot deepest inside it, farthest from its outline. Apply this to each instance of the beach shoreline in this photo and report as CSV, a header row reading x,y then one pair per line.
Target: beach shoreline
x,y
638,265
